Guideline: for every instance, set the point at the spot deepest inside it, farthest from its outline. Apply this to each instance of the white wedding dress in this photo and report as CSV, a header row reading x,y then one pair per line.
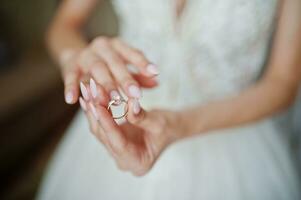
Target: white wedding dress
x,y
214,50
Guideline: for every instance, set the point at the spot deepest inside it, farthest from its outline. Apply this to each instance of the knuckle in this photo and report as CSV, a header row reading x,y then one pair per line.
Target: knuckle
x,y
84,54
96,65
100,41
108,85
116,60
82,58
116,40
139,57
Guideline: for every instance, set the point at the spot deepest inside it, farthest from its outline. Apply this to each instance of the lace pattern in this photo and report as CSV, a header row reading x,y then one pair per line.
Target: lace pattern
x,y
202,56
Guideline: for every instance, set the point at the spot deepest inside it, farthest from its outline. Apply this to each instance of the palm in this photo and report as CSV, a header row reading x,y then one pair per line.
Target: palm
x,y
141,145
137,143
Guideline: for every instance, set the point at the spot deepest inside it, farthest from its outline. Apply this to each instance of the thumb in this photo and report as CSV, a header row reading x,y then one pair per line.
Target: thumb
x,y
136,114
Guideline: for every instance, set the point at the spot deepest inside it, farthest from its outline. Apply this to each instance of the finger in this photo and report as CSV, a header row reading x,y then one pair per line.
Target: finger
x,y
112,130
117,67
71,78
102,75
135,57
92,64
85,91
93,125
83,104
145,82
86,59
100,96
136,115
97,131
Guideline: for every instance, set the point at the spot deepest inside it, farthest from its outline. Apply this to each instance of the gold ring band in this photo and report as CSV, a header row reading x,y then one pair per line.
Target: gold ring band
x,y
117,102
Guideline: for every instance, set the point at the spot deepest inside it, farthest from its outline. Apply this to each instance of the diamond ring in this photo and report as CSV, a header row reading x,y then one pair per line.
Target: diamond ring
x,y
116,102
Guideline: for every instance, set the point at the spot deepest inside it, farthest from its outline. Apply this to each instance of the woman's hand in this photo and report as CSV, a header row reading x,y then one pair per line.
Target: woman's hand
x,y
136,144
106,60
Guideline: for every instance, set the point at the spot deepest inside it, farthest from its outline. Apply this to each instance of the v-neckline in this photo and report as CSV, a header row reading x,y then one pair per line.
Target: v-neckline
x,y
179,8
178,13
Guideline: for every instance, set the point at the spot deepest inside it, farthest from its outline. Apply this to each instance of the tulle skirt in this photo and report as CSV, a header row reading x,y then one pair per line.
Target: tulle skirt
x,y
249,162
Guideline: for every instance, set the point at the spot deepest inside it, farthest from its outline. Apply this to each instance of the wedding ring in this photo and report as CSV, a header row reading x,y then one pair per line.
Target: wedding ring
x,y
118,102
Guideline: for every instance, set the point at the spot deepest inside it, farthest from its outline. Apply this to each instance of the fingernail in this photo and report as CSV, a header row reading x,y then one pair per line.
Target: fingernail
x,y
84,91
69,97
152,69
114,94
93,109
135,91
136,106
93,88
83,104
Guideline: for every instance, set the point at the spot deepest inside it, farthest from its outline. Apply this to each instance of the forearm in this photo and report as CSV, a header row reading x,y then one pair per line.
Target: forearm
x,y
259,101
65,31
274,92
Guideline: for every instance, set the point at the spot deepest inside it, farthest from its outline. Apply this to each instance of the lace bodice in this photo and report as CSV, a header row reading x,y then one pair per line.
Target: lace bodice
x,y
215,49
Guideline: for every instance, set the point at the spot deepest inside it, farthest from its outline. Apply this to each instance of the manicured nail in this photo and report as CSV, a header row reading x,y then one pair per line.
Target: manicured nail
x,y
84,91
83,103
69,97
152,69
135,91
136,106
114,94
94,112
93,88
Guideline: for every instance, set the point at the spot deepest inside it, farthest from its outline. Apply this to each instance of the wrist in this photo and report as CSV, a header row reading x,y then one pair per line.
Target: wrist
x,y
181,126
192,122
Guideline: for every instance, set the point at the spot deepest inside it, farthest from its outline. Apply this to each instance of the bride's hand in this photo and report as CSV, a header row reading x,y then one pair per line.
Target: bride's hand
x,y
136,144
106,59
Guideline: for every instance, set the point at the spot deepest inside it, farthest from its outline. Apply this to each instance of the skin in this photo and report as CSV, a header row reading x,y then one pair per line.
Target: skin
x,y
136,144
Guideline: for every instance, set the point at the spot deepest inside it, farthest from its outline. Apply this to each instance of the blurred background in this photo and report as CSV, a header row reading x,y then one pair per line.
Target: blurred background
x,y
33,115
